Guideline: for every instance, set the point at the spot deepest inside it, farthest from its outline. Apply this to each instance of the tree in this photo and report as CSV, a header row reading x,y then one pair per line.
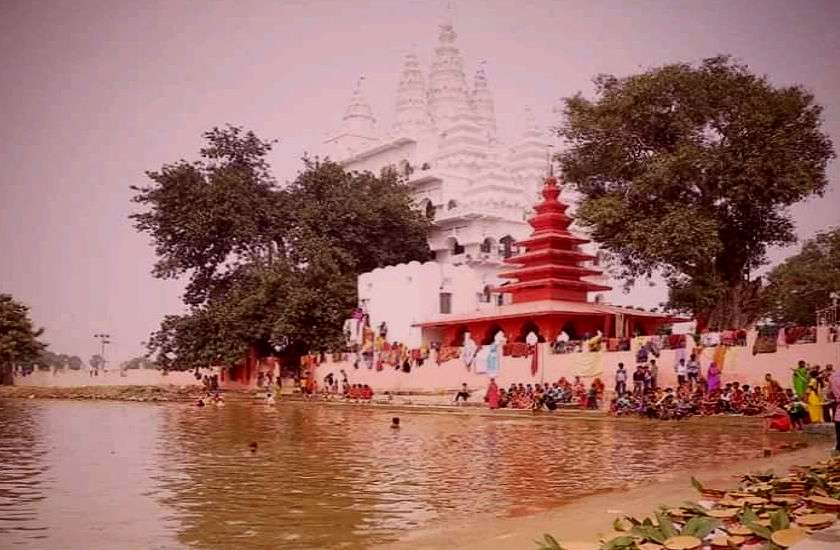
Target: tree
x,y
75,363
49,360
687,171
19,343
137,363
803,283
269,268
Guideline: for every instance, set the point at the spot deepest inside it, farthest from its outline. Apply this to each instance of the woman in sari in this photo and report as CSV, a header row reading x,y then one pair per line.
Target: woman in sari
x,y
492,395
713,379
815,410
800,379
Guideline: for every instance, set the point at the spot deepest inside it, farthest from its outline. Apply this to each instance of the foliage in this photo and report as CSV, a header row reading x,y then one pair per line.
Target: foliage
x,y
96,361
137,363
687,169
48,360
269,268
19,343
803,282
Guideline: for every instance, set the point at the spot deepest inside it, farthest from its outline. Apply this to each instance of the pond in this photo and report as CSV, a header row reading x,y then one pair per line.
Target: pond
x,y
126,475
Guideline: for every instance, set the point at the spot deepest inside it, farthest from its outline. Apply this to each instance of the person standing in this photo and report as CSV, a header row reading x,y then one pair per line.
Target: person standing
x,y
492,395
813,400
639,381
800,379
682,372
654,374
834,385
620,380
713,379
693,370
828,398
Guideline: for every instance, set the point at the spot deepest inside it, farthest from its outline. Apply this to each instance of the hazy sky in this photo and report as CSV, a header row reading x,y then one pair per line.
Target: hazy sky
x,y
94,93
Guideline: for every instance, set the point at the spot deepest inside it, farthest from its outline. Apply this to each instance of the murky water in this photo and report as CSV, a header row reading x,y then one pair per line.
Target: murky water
x,y
119,475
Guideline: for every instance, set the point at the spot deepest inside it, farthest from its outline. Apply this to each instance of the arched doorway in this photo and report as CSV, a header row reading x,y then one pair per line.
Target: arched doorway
x,y
528,327
458,336
454,246
490,334
569,328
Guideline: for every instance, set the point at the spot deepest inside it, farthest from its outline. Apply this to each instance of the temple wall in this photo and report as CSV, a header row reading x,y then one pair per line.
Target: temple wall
x,y
739,365
405,294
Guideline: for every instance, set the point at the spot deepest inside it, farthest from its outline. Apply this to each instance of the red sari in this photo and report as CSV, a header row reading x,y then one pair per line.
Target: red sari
x,y
492,395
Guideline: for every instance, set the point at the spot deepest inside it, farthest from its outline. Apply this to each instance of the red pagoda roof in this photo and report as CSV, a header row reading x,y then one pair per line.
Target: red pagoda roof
x,y
550,269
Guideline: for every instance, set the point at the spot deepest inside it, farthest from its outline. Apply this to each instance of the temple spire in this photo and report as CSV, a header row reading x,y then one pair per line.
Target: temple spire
x,y
447,94
528,155
412,112
358,117
358,126
482,101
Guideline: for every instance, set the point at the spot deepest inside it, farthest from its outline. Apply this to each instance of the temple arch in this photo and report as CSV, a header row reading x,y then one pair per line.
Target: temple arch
x,y
490,334
428,208
527,327
487,245
454,246
458,336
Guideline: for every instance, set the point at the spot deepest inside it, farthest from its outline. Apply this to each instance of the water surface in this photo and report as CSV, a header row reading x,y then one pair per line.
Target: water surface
x,y
103,475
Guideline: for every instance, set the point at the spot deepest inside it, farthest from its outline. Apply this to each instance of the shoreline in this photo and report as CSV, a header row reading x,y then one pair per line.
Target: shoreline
x,y
578,525
405,403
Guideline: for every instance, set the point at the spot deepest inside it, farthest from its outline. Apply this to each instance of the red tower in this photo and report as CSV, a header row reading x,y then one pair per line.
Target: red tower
x,y
549,269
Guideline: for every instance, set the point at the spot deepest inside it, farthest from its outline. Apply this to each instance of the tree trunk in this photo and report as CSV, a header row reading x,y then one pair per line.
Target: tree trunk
x,y
738,308
6,378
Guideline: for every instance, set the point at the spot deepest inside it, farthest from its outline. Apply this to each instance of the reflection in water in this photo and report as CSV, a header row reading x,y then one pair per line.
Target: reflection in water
x,y
22,474
321,476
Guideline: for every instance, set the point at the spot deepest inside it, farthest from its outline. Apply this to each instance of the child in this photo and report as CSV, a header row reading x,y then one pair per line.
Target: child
x,y
797,411
462,395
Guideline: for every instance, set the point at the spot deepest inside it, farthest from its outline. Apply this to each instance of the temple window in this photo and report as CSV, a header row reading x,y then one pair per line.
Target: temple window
x,y
405,168
506,248
486,245
428,208
446,302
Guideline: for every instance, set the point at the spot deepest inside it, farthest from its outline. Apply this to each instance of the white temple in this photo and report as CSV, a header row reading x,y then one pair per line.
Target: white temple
x,y
477,190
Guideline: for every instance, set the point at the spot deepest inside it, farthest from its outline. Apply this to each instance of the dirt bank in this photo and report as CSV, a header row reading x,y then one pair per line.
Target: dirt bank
x,y
114,393
579,524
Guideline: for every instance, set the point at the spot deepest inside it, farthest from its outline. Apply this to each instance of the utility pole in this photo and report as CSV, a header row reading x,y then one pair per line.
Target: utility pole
x,y
104,339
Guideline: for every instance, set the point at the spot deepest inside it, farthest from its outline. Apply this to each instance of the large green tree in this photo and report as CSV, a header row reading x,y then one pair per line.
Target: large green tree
x,y
687,170
19,343
803,283
270,268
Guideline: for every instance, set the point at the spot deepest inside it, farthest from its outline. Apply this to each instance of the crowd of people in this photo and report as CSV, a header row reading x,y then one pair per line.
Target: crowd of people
x,y
549,396
812,398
